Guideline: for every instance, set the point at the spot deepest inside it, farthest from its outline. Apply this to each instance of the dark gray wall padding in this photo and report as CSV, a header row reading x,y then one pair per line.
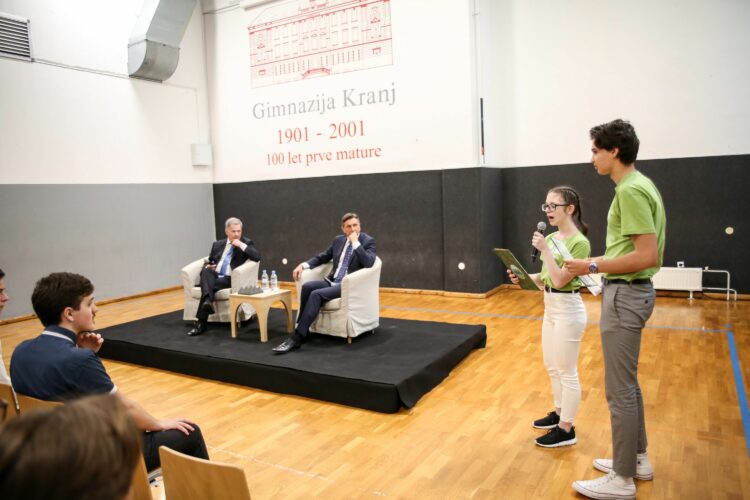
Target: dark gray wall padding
x,y
702,196
425,223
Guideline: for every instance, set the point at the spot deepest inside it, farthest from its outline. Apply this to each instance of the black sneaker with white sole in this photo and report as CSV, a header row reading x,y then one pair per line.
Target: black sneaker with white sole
x,y
557,437
548,422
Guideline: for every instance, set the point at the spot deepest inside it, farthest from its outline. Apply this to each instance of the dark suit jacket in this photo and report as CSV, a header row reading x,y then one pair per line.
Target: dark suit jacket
x,y
238,257
363,256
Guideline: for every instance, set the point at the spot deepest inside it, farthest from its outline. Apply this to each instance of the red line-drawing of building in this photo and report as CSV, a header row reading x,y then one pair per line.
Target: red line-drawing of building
x,y
302,39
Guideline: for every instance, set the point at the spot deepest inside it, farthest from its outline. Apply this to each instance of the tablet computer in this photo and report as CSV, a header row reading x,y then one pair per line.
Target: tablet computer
x,y
516,268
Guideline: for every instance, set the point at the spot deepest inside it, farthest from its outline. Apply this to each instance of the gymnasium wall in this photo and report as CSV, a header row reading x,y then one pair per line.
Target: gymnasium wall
x,y
96,175
91,159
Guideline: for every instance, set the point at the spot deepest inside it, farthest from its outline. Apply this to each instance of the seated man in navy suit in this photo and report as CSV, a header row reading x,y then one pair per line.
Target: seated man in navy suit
x,y
225,255
349,252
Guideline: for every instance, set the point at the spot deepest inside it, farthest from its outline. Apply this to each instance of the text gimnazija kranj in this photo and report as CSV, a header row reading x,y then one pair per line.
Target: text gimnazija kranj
x,y
348,98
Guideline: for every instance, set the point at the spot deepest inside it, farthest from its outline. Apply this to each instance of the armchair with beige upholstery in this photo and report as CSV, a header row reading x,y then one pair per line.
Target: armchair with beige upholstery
x,y
244,275
357,310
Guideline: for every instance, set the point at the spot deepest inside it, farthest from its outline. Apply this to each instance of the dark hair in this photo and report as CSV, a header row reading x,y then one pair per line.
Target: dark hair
x,y
347,216
87,449
53,293
571,196
2,274
618,134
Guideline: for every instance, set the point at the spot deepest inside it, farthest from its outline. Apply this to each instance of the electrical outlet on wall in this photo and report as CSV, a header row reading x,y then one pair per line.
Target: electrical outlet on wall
x,y
680,263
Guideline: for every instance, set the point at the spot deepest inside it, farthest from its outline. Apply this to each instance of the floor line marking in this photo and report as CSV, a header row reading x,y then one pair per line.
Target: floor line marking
x,y
253,458
739,384
537,318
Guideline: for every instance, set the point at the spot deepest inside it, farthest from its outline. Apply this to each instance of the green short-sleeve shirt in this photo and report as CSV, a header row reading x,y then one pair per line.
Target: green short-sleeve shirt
x,y
637,208
578,246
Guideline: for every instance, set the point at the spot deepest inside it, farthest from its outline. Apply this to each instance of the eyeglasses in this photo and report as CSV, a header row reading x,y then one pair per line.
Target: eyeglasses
x,y
551,207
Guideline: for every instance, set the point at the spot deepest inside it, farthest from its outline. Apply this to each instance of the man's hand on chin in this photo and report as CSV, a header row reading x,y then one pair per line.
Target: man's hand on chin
x,y
89,340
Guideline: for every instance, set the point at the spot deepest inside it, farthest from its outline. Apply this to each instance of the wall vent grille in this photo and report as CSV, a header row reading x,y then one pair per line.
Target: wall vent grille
x,y
15,40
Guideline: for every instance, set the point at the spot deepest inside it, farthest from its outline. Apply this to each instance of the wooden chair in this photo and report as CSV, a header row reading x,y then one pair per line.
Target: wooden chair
x,y
189,478
9,396
141,488
27,403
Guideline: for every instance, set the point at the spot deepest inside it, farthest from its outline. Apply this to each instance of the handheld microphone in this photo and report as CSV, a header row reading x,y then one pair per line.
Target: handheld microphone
x,y
541,227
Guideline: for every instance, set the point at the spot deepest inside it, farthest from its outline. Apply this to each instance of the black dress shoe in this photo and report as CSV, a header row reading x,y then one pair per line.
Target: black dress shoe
x,y
199,328
286,346
207,308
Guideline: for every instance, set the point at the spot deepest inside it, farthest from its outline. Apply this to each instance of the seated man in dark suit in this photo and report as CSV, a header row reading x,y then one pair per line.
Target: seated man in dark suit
x,y
349,252
61,364
225,255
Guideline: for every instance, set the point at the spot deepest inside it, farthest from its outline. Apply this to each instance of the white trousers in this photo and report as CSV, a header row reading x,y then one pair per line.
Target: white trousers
x,y
562,331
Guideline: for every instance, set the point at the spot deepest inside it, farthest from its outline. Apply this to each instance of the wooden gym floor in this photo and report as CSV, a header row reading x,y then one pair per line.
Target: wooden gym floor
x,y
471,437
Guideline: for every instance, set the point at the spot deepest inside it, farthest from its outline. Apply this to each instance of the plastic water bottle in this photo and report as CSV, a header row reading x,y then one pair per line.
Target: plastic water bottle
x,y
274,281
264,280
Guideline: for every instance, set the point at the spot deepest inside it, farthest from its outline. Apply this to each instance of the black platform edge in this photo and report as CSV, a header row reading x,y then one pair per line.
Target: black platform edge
x,y
384,398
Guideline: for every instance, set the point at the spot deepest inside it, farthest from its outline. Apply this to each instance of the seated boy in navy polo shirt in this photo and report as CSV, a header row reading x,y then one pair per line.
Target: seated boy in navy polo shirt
x,y
61,364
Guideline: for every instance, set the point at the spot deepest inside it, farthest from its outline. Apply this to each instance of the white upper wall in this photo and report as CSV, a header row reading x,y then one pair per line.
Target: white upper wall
x,y
431,123
547,71
677,69
74,116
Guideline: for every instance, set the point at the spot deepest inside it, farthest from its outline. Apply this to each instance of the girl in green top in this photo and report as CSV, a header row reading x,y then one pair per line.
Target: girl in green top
x,y
564,312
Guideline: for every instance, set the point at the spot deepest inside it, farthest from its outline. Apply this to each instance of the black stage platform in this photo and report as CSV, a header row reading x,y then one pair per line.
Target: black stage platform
x,y
381,371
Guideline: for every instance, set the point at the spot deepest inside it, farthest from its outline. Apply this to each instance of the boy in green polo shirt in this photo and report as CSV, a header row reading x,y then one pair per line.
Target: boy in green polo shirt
x,y
635,248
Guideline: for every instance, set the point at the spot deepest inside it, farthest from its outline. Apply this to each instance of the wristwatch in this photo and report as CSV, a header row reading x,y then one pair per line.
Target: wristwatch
x,y
593,267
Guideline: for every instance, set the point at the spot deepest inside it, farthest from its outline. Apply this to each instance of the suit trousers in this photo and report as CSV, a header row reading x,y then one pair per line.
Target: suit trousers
x,y
192,444
312,297
210,284
625,310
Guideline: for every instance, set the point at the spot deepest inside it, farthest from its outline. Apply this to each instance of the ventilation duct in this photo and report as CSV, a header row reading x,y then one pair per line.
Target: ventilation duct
x,y
14,37
154,46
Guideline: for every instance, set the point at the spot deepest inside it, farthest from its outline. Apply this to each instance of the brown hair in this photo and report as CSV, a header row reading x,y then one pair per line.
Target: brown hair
x,y
571,197
618,134
53,293
86,449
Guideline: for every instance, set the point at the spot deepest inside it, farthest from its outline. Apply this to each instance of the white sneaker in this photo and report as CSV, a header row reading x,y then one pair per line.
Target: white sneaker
x,y
643,471
607,487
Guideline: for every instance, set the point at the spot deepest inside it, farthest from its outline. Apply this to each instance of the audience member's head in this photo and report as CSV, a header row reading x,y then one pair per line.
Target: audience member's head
x,y
3,295
87,449
58,298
